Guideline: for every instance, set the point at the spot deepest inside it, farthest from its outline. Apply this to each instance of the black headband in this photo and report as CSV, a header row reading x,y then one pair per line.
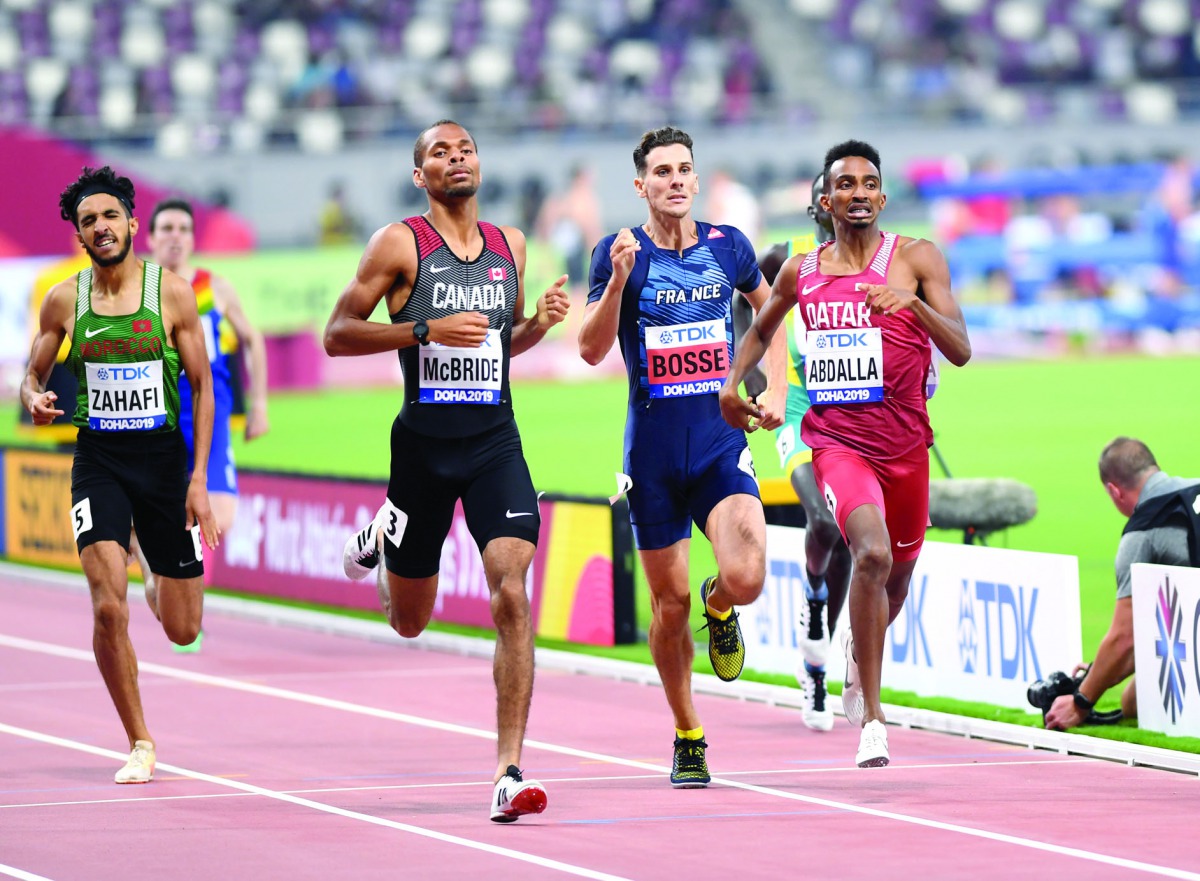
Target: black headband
x,y
93,189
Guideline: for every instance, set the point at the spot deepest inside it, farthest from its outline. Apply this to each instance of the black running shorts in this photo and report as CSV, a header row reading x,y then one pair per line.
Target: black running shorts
x,y
429,474
138,478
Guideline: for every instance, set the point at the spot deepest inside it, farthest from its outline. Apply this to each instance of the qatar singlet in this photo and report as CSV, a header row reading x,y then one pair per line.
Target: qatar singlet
x,y
452,391
865,372
128,375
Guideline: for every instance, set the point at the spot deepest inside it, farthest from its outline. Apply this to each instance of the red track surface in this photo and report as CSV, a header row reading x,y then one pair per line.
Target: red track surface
x,y
287,753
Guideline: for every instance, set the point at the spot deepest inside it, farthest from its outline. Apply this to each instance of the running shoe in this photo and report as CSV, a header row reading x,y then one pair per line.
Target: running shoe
x,y
814,643
726,650
361,553
873,746
816,712
689,768
853,705
140,767
515,797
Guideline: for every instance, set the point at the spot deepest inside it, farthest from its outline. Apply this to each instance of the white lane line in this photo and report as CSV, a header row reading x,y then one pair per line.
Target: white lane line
x,y
329,703
20,874
318,806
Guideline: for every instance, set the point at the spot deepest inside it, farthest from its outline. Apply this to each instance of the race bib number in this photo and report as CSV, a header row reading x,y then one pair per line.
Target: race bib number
x,y
126,397
686,359
844,366
450,375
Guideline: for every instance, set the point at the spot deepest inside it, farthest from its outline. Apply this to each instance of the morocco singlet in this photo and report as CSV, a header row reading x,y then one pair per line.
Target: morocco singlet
x,y
865,372
452,391
128,374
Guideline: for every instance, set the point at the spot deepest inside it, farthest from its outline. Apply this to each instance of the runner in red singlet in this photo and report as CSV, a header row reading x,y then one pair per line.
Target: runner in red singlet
x,y
871,302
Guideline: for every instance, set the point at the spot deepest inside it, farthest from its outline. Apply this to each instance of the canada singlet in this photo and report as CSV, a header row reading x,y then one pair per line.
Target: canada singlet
x,y
128,375
452,391
865,372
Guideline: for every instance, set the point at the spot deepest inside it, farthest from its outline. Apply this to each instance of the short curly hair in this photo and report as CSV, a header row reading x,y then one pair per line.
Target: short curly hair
x,y
90,182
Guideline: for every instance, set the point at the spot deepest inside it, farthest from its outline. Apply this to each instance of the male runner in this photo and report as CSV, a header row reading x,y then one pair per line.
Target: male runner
x,y
454,287
871,303
226,329
132,326
663,290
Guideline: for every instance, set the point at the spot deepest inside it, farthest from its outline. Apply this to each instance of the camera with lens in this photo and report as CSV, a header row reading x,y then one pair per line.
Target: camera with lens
x,y
1044,692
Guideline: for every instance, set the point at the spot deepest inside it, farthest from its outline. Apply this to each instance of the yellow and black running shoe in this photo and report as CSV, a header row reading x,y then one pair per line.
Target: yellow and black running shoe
x,y
726,649
689,768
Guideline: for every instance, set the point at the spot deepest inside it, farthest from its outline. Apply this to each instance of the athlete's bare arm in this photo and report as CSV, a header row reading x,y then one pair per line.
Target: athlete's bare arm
x,y
737,411
181,321
551,306
56,319
387,270
920,264
251,340
772,403
602,318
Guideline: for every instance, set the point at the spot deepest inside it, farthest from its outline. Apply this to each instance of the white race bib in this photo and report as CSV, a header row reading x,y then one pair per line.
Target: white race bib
x,y
452,375
686,359
126,397
844,366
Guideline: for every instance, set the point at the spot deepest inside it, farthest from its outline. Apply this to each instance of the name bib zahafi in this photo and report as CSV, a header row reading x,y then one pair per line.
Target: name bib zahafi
x,y
686,359
126,397
452,375
844,366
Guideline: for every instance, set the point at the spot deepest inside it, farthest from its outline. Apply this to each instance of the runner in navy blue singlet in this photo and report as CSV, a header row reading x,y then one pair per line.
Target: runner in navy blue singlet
x,y
663,291
453,285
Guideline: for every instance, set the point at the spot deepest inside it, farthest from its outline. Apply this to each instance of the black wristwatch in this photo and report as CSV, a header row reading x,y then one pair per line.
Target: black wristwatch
x,y
421,333
1081,701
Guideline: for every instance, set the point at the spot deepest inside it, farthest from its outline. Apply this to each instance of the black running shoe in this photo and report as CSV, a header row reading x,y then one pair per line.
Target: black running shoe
x,y
726,649
689,768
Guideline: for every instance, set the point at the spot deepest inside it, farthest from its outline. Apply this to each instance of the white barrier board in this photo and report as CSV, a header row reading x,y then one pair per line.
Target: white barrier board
x,y
979,623
1166,637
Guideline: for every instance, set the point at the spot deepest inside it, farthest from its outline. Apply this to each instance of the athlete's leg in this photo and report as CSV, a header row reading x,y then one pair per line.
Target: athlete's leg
x,y
149,583
224,508
104,566
505,563
870,614
738,534
670,639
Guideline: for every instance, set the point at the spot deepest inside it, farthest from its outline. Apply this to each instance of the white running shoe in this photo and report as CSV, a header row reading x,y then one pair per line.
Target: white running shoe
x,y
140,767
815,712
360,556
873,746
814,636
853,705
514,797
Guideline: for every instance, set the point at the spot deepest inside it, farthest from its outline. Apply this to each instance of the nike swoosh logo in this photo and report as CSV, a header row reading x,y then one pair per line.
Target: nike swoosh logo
x,y
809,288
437,269
91,333
510,515
907,544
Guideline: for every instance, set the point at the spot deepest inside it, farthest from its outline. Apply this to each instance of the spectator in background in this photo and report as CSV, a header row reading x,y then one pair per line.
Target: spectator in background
x,y
1163,527
338,225
571,222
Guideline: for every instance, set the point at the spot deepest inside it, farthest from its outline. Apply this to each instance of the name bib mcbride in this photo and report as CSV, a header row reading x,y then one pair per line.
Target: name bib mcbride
x,y
126,397
844,366
686,359
450,375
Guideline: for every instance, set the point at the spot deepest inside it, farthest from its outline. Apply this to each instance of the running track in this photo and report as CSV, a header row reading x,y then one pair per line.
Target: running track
x,y
290,752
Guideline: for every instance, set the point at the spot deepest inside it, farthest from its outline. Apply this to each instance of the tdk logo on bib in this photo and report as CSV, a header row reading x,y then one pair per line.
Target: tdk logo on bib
x,y
124,374
686,359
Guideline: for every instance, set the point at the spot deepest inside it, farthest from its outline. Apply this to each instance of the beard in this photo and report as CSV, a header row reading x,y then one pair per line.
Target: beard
x,y
464,190
109,261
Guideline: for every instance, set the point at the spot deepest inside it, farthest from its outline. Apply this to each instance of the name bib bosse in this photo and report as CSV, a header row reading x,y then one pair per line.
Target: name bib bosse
x,y
844,366
452,375
686,359
126,397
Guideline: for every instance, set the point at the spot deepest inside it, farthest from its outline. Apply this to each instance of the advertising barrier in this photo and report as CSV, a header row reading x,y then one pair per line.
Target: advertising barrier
x,y
979,623
289,533
37,508
1166,640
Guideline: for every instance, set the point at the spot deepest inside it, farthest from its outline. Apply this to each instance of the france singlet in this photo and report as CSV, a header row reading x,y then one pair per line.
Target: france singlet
x,y
865,372
452,391
128,374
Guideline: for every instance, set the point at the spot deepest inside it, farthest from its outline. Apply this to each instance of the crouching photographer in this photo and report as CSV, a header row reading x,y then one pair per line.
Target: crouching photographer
x,y
1163,527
